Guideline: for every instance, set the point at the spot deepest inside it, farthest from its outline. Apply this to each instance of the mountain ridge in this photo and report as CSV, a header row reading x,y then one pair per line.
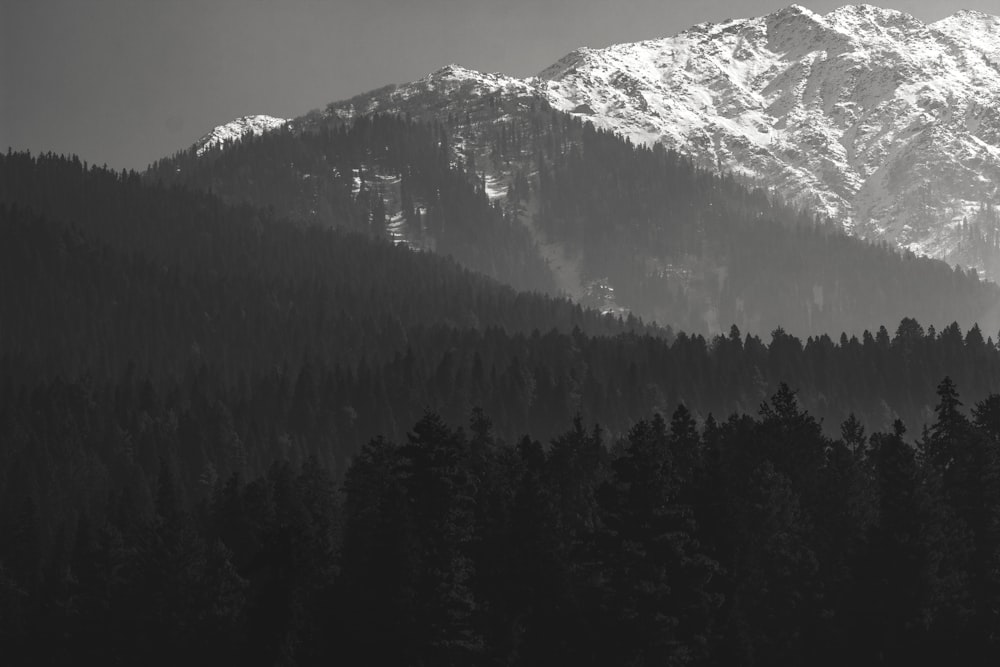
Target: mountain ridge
x,y
834,111
253,124
865,115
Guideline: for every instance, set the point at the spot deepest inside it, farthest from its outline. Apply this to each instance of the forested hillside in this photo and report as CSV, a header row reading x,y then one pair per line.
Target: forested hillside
x,y
376,173
101,272
622,228
702,252
756,540
228,435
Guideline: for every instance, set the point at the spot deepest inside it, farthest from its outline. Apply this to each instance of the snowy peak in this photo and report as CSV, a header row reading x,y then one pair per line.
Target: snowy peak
x,y
868,18
866,114
795,10
971,28
453,72
566,64
456,76
236,129
973,18
448,89
794,18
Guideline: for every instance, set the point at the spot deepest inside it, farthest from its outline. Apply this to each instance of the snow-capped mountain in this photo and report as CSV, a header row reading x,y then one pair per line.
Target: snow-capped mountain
x,y
236,129
889,126
452,90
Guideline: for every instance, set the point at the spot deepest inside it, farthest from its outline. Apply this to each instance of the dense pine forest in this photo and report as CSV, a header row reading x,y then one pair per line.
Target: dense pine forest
x,y
754,540
231,433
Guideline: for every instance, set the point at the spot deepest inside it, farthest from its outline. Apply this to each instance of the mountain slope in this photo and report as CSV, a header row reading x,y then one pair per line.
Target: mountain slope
x,y
621,228
100,270
864,114
235,130
381,176
864,117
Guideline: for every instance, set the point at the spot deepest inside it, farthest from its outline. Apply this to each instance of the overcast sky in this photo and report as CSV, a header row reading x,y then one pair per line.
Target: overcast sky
x,y
124,82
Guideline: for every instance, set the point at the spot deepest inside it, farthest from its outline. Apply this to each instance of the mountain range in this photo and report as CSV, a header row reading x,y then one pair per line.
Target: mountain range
x,y
864,115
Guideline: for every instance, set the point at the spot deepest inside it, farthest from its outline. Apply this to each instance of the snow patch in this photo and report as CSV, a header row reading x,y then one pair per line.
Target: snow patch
x,y
237,129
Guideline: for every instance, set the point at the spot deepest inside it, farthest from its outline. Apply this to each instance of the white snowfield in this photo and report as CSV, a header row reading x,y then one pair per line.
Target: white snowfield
x,y
889,126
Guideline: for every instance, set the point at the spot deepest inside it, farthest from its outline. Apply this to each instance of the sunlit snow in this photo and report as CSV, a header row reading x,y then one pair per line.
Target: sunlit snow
x,y
236,129
863,114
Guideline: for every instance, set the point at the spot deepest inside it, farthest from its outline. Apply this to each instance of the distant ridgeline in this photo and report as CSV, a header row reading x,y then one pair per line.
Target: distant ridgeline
x,y
540,200
183,381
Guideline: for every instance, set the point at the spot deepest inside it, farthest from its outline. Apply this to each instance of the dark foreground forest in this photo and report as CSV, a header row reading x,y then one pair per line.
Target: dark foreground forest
x,y
229,437
753,540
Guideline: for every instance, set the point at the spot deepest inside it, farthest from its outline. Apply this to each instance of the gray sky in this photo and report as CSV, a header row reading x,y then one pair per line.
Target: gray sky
x,y
124,82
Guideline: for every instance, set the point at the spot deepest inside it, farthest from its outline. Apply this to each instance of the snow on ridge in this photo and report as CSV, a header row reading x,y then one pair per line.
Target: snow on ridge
x,y
864,114
456,75
452,82
253,124
452,71
566,63
970,15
